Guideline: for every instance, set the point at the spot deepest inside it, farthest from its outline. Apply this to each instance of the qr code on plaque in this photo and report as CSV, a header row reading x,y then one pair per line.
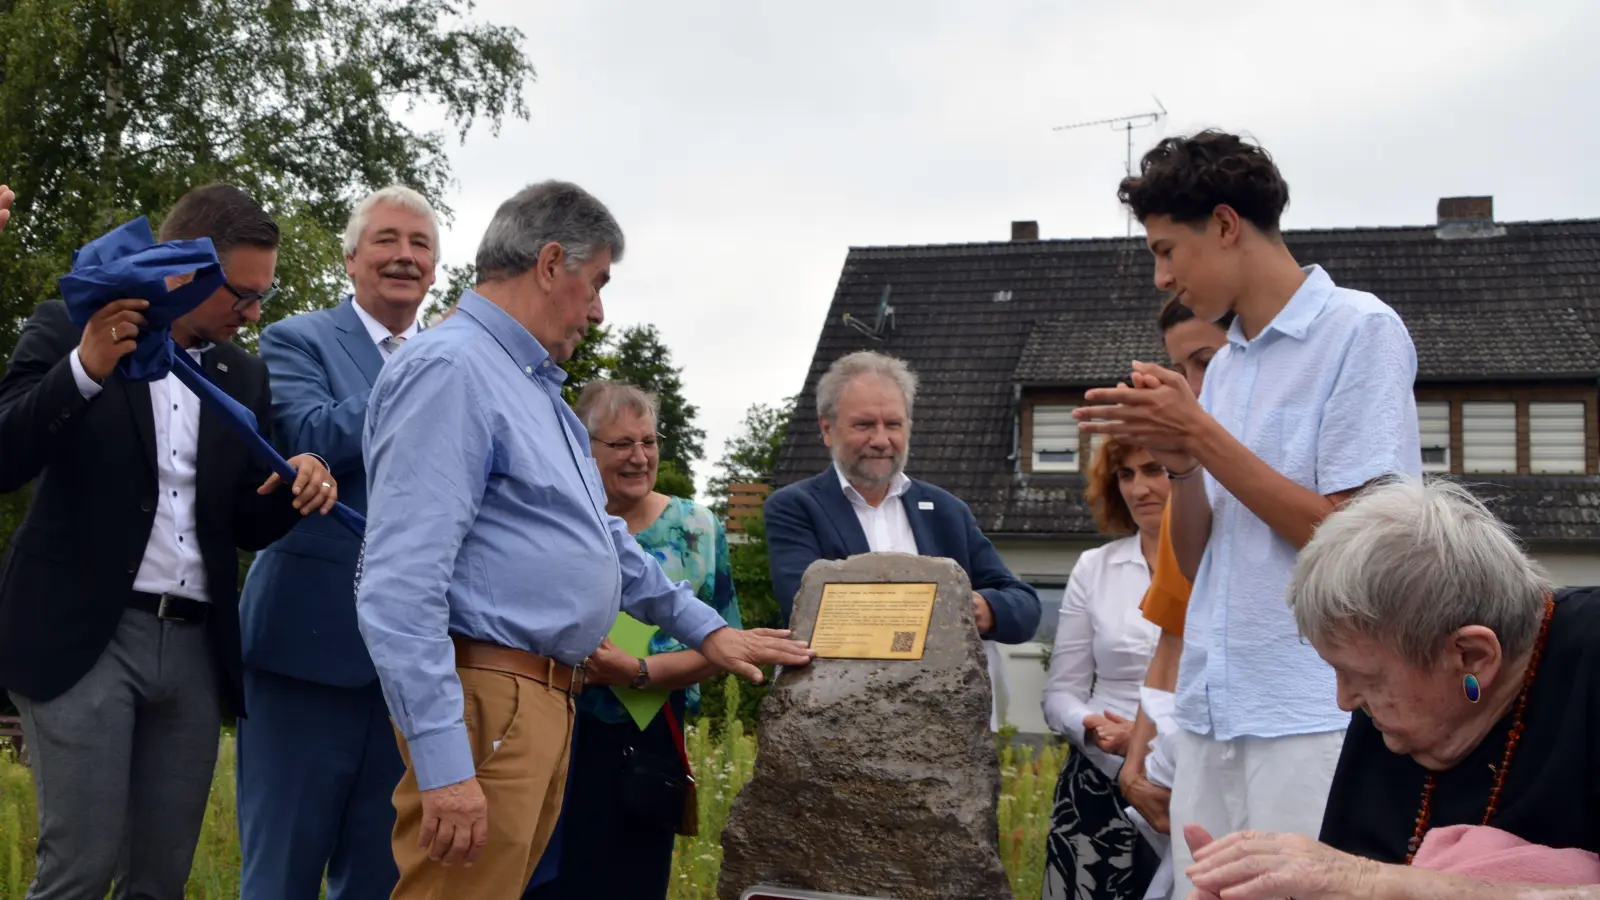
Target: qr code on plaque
x,y
903,641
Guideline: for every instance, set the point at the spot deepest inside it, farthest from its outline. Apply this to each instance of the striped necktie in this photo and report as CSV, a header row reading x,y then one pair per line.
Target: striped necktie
x,y
391,343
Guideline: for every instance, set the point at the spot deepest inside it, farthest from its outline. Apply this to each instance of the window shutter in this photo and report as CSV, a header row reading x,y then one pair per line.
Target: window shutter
x,y
1489,438
1055,438
1556,438
1433,418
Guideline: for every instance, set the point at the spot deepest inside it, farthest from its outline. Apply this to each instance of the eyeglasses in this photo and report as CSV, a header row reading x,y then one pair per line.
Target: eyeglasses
x,y
245,298
626,445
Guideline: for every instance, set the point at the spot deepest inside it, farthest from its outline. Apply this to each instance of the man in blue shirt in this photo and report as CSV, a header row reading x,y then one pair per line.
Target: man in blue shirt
x,y
1310,401
491,569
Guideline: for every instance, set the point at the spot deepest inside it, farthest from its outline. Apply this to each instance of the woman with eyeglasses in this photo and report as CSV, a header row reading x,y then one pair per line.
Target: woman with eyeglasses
x,y
610,808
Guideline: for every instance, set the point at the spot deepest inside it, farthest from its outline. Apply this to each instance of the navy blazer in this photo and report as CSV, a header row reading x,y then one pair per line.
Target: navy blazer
x,y
813,520
298,609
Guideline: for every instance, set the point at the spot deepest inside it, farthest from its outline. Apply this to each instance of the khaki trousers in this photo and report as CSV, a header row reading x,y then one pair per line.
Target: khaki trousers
x,y
521,733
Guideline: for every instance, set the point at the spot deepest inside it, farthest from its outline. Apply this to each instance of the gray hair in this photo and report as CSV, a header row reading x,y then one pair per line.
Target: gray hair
x,y
846,369
602,401
1408,563
550,212
394,195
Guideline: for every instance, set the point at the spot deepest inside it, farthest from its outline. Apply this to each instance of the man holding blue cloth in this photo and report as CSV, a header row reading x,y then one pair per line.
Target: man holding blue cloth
x,y
491,569
119,624
317,761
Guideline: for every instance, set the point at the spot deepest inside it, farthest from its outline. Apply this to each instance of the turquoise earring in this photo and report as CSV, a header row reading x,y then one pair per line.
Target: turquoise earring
x,y
1470,684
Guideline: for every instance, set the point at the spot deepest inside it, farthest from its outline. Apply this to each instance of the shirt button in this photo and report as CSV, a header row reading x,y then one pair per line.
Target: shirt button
x,y
547,364
528,369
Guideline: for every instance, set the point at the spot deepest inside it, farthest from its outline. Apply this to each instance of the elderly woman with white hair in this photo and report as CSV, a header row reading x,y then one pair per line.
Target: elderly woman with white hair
x,y
620,818
1475,692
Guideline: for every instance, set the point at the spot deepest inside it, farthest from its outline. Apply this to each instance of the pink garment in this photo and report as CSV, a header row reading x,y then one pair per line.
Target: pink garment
x,y
1479,851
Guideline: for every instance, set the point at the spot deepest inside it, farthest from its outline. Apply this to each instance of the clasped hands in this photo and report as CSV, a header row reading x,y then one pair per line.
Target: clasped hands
x,y
1154,409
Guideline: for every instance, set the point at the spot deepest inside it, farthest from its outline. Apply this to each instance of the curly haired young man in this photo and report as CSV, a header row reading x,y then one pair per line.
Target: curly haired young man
x,y
1310,401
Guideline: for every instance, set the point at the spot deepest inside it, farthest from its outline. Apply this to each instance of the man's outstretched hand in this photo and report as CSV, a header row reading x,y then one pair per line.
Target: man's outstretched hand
x,y
742,652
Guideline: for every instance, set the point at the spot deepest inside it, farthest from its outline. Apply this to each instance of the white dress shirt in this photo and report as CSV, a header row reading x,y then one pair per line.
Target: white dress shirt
x,y
379,332
172,562
889,531
1103,645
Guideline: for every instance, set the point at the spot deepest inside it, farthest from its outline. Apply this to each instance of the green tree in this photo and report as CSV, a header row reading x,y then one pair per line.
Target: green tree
x,y
751,456
591,361
110,110
643,360
672,481
449,283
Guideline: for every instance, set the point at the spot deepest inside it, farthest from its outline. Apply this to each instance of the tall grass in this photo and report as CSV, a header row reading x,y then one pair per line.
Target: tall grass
x,y
722,762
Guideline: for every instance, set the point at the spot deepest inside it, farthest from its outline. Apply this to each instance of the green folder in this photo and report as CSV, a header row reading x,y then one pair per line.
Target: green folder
x,y
633,637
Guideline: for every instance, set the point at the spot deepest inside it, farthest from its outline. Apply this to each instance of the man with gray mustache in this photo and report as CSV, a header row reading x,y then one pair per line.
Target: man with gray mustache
x,y
865,502
318,763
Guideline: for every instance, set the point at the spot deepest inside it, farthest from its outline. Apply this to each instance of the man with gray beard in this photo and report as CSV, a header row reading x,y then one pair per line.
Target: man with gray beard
x,y
866,503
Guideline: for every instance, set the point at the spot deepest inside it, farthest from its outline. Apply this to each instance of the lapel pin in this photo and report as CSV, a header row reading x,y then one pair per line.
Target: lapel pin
x,y
924,504
222,367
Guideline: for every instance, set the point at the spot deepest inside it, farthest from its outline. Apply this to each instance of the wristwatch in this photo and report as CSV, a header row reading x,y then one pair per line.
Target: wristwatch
x,y
642,680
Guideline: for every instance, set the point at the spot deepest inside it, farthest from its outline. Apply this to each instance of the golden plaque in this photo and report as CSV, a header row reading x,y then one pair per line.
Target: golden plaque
x,y
873,621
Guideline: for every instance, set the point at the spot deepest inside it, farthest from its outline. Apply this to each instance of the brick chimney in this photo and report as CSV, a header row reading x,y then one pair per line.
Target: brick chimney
x,y
1024,231
1467,217
1465,209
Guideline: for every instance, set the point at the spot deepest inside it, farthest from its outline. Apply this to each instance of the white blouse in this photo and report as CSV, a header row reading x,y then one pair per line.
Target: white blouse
x,y
1103,645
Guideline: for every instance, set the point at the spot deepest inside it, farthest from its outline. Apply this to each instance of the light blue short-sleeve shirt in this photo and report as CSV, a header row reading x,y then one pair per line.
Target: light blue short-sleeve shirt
x,y
1324,396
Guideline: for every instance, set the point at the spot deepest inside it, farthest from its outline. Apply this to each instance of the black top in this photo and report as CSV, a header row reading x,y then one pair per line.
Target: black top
x,y
1552,795
68,574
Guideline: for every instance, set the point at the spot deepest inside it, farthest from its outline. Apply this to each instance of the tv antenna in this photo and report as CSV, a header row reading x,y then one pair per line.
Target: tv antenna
x,y
1125,124
884,319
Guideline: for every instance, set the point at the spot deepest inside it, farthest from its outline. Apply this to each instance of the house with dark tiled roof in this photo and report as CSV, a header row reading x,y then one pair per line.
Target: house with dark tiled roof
x,y
1006,337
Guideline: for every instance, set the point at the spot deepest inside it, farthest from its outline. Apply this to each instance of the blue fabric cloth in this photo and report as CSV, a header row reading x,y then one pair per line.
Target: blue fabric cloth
x,y
1323,395
127,263
488,520
813,520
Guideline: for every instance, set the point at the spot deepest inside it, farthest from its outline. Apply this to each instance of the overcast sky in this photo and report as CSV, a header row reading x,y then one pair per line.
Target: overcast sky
x,y
746,146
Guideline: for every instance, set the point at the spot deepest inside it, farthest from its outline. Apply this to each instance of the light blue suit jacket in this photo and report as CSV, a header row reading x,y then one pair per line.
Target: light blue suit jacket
x,y
298,609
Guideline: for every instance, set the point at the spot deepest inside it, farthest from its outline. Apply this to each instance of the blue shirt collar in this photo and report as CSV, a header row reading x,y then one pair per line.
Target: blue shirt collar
x,y
1295,319
519,343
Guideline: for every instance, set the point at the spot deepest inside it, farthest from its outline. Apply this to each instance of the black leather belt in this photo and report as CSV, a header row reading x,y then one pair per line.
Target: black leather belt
x,y
170,607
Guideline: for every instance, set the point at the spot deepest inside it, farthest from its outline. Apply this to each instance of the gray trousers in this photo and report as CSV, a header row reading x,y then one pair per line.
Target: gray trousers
x,y
122,765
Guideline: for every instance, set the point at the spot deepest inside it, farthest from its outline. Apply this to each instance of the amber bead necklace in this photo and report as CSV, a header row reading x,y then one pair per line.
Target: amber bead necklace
x,y
1425,811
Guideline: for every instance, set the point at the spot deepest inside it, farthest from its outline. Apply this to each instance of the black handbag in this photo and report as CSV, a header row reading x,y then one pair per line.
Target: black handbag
x,y
659,790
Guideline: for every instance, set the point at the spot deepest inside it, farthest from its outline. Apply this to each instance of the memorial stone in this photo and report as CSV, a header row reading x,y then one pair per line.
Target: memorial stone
x,y
876,777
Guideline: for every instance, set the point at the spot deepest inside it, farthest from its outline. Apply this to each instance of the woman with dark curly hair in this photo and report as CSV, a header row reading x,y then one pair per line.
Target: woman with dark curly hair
x,y
1102,651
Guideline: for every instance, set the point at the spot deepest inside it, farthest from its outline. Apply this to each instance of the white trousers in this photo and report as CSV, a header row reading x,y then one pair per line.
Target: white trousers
x,y
1264,784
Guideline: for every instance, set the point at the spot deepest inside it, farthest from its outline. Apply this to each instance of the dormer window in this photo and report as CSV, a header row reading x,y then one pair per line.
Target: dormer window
x,y
1056,445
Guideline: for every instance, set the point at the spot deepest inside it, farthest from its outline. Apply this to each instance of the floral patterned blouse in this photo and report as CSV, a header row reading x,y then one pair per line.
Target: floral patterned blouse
x,y
689,543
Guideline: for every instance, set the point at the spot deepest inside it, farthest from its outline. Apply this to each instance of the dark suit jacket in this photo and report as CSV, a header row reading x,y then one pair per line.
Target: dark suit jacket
x,y
298,609
814,520
69,571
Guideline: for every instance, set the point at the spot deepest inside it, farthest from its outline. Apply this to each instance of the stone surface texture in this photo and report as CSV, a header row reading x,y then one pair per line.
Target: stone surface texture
x,y
876,778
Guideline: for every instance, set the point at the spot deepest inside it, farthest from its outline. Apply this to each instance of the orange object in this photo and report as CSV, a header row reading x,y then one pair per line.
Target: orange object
x,y
1166,603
